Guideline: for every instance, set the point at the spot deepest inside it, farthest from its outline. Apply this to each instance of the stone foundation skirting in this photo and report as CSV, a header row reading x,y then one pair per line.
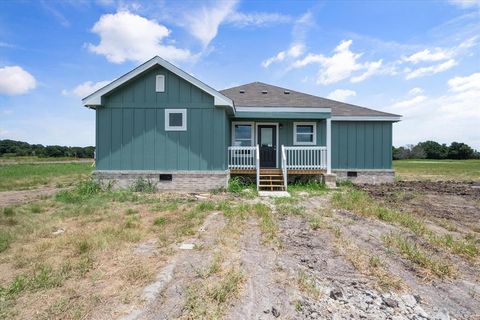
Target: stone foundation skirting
x,y
370,176
188,181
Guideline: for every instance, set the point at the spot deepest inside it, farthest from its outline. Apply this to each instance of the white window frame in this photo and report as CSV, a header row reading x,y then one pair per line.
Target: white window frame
x,y
301,143
183,127
160,83
252,131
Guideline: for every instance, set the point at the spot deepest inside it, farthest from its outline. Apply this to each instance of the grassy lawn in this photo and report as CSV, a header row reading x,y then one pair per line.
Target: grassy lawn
x,y
437,169
37,159
28,176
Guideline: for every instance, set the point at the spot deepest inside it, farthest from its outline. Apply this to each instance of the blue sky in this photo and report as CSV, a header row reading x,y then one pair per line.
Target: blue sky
x,y
420,59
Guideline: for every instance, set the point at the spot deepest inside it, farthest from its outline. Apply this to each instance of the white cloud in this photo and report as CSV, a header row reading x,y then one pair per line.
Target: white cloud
x,y
241,19
341,65
409,102
465,3
427,55
14,81
294,51
341,94
126,36
372,68
453,116
85,89
415,91
434,69
203,23
460,84
7,112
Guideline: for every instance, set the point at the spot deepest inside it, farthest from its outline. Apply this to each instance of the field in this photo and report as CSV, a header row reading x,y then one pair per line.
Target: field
x,y
84,251
459,170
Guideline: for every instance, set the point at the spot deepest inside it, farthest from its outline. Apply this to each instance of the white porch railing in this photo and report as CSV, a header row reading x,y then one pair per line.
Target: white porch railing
x,y
257,158
284,168
242,157
306,158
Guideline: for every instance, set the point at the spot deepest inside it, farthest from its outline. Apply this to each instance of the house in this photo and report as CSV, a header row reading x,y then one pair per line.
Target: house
x,y
158,122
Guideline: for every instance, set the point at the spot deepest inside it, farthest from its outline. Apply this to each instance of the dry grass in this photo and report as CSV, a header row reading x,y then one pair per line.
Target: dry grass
x,y
221,281
88,270
361,203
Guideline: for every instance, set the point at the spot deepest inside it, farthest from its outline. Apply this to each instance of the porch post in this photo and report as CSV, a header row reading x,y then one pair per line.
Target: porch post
x,y
329,145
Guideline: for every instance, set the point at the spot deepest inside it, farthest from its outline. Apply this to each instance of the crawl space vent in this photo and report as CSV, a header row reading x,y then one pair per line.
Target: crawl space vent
x,y
351,173
165,177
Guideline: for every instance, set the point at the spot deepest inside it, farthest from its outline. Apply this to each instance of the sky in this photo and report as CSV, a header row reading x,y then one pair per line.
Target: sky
x,y
419,59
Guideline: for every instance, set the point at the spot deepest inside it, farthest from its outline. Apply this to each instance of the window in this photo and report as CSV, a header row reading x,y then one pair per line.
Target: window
x,y
242,134
175,119
304,133
160,83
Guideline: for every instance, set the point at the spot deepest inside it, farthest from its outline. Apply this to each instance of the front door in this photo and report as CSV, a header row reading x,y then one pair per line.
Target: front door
x,y
267,139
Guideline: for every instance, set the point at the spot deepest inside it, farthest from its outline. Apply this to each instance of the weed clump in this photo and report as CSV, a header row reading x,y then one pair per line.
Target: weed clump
x,y
144,185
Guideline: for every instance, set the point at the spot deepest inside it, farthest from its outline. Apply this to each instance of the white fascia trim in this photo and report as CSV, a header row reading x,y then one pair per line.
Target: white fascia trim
x,y
367,118
95,99
297,143
281,109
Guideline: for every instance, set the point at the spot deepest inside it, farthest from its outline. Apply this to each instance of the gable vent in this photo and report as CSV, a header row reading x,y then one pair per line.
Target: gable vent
x,y
264,91
286,92
242,91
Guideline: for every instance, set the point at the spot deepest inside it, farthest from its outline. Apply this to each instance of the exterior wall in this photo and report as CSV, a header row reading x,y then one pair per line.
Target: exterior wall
x,y
190,181
285,133
130,128
361,145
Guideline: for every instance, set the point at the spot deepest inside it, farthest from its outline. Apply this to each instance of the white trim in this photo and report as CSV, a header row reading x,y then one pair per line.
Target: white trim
x,y
160,83
313,143
95,99
251,123
329,146
176,128
281,109
366,118
277,133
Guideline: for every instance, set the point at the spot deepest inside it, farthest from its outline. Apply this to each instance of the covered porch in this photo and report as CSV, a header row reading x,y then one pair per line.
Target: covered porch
x,y
272,149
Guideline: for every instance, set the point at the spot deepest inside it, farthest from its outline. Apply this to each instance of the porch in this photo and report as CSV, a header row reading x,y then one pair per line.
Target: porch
x,y
272,149
298,160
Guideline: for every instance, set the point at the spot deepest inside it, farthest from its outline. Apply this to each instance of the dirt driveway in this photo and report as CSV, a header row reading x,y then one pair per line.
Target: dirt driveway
x,y
8,198
314,260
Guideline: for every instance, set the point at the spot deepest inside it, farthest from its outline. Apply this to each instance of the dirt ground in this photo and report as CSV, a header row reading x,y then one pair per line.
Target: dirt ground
x,y
308,258
325,270
8,198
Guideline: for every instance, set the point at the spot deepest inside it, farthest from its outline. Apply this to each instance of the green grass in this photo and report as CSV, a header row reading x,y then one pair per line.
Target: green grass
x,y
412,252
361,203
437,169
27,176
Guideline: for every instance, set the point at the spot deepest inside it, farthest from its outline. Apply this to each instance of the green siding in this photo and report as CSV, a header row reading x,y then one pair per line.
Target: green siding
x,y
131,127
361,145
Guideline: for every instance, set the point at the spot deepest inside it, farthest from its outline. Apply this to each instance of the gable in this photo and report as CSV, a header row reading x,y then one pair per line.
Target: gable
x,y
140,92
95,99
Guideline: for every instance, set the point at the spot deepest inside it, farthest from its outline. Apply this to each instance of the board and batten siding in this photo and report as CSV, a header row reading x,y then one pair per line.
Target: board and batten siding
x,y
361,145
131,127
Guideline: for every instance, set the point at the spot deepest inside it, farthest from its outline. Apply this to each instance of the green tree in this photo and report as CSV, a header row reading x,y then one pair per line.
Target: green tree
x,y
459,150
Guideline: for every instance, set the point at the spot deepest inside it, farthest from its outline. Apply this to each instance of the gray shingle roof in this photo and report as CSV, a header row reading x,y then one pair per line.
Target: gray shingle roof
x,y
252,96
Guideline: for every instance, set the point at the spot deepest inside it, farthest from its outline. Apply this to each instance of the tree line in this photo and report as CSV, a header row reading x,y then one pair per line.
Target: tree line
x,y
20,148
434,150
